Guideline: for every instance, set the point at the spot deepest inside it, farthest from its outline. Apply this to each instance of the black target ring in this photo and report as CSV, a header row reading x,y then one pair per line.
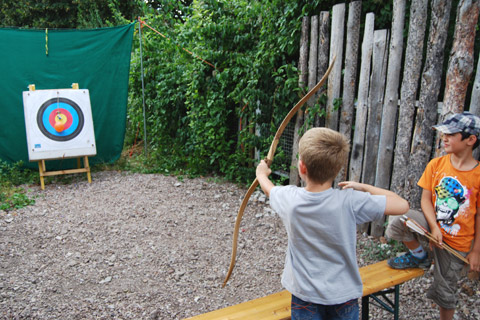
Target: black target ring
x,y
47,129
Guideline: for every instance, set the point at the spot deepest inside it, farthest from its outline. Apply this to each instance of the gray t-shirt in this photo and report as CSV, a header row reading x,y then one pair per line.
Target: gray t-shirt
x,y
320,263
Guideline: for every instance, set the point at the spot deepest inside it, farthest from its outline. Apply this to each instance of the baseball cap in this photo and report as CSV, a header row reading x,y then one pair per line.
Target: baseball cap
x,y
459,122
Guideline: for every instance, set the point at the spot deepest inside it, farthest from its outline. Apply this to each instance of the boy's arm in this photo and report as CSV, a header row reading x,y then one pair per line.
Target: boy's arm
x,y
395,204
429,213
263,171
474,256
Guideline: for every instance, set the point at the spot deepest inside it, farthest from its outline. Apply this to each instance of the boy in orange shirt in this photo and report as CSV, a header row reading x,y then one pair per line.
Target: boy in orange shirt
x,y
451,211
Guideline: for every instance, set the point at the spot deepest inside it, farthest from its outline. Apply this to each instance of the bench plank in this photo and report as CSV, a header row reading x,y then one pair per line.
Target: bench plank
x,y
375,277
274,306
379,276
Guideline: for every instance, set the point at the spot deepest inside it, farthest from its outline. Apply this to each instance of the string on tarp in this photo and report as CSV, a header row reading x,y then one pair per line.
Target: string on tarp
x,y
46,41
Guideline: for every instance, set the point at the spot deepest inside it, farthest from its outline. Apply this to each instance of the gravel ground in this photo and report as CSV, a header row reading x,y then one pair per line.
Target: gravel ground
x,y
137,246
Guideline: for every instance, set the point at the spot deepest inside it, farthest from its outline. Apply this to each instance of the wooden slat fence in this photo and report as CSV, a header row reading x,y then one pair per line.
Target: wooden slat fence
x,y
387,109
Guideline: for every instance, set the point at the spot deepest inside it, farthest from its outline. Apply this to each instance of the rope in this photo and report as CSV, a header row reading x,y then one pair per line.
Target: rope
x,y
143,23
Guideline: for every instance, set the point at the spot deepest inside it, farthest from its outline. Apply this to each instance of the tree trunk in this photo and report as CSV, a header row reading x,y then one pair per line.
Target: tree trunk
x,y
322,62
334,79
350,76
460,65
312,62
390,106
409,89
375,103
429,92
475,102
302,81
358,145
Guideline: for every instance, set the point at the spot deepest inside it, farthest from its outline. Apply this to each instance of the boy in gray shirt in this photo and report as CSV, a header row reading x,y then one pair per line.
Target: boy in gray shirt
x,y
321,269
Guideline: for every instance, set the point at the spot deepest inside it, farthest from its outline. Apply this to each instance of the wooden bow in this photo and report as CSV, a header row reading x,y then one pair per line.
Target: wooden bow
x,y
269,161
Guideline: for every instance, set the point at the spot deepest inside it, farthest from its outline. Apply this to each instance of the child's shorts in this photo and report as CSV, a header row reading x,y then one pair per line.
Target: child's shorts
x,y
397,230
447,268
446,273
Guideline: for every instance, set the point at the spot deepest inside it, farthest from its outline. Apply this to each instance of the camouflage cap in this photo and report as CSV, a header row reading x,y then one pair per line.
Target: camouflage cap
x,y
459,122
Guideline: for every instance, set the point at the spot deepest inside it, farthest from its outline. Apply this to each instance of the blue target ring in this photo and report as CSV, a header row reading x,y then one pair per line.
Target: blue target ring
x,y
50,108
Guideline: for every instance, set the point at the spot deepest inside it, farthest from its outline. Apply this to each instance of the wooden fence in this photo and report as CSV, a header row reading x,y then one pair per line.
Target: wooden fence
x,y
388,109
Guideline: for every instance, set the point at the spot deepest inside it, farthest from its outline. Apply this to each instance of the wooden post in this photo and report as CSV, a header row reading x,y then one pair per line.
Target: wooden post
x,y
87,167
322,58
390,106
41,170
350,77
429,91
408,93
302,81
312,59
475,102
335,77
375,103
460,65
358,145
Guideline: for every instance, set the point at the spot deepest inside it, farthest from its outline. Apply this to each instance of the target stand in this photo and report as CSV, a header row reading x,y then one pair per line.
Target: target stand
x,y
59,125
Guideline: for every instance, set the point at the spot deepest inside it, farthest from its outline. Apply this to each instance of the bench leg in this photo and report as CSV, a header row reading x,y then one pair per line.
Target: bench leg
x,y
397,302
388,305
365,307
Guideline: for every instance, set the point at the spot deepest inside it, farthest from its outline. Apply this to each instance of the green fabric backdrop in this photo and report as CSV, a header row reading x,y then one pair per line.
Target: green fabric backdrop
x,y
96,59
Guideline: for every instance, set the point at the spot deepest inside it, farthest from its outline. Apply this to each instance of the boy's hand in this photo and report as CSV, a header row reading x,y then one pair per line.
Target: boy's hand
x,y
352,184
474,260
437,234
263,169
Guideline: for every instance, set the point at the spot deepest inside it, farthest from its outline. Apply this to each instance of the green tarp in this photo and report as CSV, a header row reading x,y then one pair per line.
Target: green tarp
x,y
96,59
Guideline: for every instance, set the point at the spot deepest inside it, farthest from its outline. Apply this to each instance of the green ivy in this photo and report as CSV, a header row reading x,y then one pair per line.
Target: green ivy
x,y
204,120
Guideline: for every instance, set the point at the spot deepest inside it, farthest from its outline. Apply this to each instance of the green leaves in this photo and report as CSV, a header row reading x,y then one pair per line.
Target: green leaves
x,y
204,120
67,13
11,176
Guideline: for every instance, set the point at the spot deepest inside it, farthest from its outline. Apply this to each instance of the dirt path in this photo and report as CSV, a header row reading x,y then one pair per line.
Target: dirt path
x,y
135,246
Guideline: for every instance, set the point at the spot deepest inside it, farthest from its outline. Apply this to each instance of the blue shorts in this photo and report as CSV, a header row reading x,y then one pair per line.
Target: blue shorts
x,y
302,310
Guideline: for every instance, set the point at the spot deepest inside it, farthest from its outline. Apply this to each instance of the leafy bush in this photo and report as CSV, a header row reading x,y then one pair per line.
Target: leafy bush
x,y
11,176
375,250
202,119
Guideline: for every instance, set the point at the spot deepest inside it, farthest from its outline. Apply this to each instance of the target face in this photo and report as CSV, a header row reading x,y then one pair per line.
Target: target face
x,y
60,111
58,124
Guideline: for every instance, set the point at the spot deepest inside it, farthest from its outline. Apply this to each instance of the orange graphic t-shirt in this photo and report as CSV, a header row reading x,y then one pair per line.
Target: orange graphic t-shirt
x,y
455,198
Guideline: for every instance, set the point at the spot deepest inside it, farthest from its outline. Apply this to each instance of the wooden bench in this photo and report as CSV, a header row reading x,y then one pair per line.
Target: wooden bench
x,y
378,281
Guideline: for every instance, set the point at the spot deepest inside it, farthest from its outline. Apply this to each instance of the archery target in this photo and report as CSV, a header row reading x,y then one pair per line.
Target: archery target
x,y
58,124
63,111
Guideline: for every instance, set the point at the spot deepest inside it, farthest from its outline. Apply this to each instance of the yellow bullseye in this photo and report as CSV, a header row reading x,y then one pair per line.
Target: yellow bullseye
x,y
60,120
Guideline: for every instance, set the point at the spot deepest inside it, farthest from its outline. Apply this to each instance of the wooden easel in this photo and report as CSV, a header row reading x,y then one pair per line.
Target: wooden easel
x,y
42,169
44,173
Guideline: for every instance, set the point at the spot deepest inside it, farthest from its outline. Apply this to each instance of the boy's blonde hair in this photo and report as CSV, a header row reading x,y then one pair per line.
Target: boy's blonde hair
x,y
324,152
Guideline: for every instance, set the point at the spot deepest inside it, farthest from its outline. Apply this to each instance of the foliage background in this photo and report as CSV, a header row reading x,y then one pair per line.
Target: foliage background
x,y
194,111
